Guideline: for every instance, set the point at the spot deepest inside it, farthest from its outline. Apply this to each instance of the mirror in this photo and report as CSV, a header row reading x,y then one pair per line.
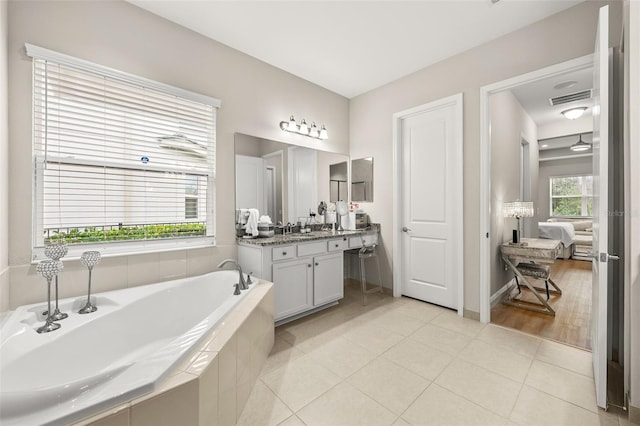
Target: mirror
x,y
285,182
338,178
362,179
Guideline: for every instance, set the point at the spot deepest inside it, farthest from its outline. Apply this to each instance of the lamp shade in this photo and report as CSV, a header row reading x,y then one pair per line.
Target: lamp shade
x,y
518,209
580,146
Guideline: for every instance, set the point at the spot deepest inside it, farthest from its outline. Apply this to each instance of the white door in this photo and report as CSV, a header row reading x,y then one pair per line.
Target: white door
x,y
250,183
431,212
600,148
303,182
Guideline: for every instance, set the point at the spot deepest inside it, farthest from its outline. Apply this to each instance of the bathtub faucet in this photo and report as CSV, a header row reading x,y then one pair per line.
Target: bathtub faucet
x,y
243,284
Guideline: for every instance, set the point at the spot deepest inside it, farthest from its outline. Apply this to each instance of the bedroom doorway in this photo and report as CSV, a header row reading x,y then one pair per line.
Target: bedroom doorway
x,y
529,148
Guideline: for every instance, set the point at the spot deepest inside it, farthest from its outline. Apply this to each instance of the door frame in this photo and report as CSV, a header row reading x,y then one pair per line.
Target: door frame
x,y
458,222
485,163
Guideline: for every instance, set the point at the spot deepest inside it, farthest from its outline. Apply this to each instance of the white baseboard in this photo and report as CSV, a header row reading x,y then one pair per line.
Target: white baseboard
x,y
497,296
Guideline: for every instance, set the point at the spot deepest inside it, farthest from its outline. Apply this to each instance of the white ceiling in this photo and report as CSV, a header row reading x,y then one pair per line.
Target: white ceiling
x,y
351,47
534,97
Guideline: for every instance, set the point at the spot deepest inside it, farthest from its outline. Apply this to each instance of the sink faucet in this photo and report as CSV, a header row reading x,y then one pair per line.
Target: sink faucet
x,y
242,284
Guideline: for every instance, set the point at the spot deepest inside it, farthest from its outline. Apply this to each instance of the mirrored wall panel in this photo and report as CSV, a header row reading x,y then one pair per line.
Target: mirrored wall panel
x,y
285,182
362,179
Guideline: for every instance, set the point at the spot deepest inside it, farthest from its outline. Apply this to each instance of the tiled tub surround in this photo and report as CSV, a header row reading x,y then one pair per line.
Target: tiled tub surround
x,y
184,368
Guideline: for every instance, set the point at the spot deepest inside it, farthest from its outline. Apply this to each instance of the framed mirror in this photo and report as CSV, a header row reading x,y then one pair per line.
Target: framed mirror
x,y
285,182
362,179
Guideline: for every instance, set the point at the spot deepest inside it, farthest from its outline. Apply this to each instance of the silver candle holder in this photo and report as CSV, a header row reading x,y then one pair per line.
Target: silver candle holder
x,y
89,259
56,252
49,269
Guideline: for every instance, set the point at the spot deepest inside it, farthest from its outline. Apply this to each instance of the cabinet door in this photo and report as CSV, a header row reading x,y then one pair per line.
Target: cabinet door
x,y
293,287
327,279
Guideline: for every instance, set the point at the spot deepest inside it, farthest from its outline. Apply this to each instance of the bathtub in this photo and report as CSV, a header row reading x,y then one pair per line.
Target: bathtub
x,y
98,360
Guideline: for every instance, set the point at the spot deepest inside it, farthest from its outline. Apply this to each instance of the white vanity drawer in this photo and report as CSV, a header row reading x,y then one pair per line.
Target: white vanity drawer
x,y
310,249
337,245
355,242
283,252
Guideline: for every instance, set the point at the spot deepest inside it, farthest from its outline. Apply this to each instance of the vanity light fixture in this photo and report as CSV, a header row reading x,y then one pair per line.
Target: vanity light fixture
x,y
580,146
304,129
574,113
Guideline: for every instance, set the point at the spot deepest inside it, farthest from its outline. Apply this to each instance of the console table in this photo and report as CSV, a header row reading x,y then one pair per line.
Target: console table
x,y
534,250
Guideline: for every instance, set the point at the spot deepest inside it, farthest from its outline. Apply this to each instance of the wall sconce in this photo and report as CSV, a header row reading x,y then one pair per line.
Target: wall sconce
x,y
574,113
518,209
304,129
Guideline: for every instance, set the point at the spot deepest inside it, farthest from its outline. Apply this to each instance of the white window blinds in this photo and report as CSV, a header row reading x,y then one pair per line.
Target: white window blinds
x,y
118,158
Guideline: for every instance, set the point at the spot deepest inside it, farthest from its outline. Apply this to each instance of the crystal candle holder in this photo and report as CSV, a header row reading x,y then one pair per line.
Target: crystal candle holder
x,y
89,259
49,269
56,252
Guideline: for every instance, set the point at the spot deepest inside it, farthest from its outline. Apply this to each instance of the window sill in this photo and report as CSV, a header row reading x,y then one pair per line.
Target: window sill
x,y
129,248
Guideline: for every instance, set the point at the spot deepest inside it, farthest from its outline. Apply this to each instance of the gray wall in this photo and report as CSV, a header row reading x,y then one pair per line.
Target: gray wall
x,y
509,124
561,167
4,163
255,98
566,35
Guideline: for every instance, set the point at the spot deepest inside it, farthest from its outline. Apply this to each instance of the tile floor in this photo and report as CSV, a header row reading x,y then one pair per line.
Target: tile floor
x,y
398,361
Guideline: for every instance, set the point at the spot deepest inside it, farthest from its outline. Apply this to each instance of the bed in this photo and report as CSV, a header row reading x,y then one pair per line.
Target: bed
x,y
562,231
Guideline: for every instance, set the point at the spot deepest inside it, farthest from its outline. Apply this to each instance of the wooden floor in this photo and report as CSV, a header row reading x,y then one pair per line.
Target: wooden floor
x,y
572,323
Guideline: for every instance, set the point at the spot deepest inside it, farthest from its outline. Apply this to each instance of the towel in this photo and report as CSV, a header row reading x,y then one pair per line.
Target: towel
x,y
241,216
265,219
252,223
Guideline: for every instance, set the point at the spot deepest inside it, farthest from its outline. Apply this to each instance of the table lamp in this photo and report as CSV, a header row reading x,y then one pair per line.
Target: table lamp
x,y
517,209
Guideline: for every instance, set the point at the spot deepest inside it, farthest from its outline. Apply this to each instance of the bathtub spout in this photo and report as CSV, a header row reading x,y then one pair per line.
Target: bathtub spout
x,y
242,284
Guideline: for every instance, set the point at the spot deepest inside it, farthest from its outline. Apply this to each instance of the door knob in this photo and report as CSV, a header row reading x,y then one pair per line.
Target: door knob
x,y
405,229
605,257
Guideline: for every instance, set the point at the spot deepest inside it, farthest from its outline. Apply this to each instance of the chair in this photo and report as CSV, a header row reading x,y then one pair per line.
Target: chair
x,y
364,253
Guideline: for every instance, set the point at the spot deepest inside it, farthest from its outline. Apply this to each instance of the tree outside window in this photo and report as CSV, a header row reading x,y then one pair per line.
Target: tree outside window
x,y
571,196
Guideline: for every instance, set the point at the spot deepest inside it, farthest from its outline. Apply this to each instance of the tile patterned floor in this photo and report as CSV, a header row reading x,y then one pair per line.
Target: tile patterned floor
x,y
398,361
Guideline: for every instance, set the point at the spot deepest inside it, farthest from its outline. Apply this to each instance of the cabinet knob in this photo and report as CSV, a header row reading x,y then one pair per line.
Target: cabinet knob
x,y
316,263
309,265
337,245
284,253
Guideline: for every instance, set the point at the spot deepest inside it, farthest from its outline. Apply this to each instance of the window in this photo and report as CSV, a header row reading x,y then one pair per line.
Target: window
x,y
119,161
571,195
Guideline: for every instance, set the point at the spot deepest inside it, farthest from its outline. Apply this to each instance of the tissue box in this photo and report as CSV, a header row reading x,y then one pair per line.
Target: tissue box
x,y
330,217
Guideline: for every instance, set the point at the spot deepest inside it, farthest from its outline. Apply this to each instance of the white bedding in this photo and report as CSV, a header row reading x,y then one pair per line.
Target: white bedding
x,y
557,231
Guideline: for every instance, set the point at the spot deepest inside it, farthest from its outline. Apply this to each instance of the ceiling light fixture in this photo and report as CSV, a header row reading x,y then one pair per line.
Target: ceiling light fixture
x,y
304,129
574,113
580,146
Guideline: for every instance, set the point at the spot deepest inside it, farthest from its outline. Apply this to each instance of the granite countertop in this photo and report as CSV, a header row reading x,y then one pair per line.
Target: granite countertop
x,y
302,238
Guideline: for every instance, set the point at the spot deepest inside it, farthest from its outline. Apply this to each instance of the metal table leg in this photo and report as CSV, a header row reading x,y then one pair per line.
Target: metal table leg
x,y
545,309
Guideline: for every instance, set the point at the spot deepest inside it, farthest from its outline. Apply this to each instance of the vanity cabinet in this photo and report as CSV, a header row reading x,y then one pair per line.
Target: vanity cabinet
x,y
307,275
327,273
294,291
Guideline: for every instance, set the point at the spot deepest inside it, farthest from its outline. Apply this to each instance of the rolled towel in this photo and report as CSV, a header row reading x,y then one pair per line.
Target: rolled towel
x,y
265,219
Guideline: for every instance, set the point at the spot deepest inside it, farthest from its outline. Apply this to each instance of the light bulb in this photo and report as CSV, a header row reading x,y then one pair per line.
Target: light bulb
x,y
304,129
314,131
293,126
323,133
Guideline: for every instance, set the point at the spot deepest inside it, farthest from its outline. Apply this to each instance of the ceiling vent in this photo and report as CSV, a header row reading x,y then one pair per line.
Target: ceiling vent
x,y
571,97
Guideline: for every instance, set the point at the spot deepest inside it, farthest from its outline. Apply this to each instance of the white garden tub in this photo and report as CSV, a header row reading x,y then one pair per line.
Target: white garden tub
x,y
119,352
